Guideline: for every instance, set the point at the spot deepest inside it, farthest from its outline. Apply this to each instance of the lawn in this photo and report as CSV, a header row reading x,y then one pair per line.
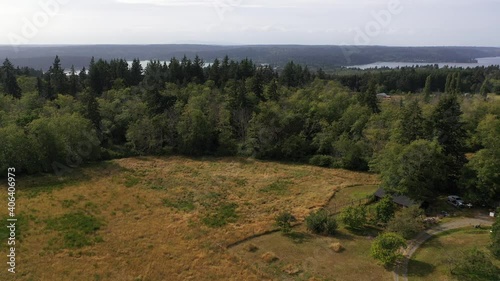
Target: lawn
x,y
431,261
351,195
302,256
161,218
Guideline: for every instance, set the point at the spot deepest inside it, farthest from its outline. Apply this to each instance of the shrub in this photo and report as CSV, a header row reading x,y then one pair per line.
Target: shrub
x,y
495,236
407,223
354,217
322,160
321,222
331,225
384,210
385,248
284,222
474,265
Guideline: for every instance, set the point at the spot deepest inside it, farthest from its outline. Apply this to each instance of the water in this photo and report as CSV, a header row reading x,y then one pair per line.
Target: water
x,y
144,63
480,62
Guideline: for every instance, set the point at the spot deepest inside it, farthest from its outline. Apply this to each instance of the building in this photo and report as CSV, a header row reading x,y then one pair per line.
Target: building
x,y
400,200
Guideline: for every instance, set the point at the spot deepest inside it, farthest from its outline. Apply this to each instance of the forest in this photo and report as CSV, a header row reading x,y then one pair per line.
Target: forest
x,y
438,134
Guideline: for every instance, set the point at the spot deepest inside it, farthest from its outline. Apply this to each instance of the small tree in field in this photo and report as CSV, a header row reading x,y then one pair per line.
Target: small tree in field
x,y
407,223
321,222
284,222
384,209
354,217
385,248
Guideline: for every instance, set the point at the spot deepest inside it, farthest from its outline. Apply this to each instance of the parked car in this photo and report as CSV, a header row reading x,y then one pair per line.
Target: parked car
x,y
456,201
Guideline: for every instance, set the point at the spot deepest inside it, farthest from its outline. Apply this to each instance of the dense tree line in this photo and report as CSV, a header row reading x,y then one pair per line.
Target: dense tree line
x,y
421,79
53,120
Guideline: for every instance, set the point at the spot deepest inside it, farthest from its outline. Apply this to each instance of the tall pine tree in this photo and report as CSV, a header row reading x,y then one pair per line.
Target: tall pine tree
x,y
9,80
427,89
449,131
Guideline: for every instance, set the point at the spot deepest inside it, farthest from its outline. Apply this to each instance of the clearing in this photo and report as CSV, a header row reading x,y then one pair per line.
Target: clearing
x,y
170,218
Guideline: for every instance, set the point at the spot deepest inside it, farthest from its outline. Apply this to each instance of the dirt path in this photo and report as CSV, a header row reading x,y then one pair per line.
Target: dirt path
x,y
401,272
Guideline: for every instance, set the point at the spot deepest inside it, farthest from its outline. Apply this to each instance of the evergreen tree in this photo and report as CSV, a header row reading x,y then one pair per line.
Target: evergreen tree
x,y
271,91
197,70
214,73
92,113
447,88
83,77
411,125
458,83
369,97
427,89
321,74
484,89
135,73
74,83
449,131
57,77
9,80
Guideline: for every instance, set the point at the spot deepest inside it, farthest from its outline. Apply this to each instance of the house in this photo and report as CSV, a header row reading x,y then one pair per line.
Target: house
x,y
400,200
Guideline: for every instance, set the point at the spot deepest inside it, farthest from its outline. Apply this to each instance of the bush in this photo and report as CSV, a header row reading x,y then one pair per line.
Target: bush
x,y
495,236
331,226
384,210
407,223
322,160
354,217
474,265
385,248
284,222
321,222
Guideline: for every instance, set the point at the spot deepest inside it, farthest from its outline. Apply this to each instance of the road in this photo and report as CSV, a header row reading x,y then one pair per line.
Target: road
x,y
401,272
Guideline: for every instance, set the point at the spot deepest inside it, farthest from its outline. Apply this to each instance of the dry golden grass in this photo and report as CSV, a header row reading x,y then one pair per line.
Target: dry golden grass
x,y
147,239
336,247
270,257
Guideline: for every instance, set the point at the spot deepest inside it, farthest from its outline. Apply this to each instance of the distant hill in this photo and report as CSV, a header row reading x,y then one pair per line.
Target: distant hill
x,y
327,57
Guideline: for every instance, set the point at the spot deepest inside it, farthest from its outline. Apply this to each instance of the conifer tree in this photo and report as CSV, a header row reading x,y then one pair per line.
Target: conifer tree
x,y
9,80
427,89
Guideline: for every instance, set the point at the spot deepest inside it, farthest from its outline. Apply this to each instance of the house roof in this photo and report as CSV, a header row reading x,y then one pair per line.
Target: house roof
x,y
398,199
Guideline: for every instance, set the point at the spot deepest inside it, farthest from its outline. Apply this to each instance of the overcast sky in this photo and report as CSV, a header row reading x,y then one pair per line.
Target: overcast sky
x,y
332,22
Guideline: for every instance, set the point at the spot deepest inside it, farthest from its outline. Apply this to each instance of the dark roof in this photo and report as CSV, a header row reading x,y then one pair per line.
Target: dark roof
x,y
398,199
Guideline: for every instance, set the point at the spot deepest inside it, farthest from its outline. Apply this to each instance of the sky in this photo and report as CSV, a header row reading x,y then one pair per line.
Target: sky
x,y
237,22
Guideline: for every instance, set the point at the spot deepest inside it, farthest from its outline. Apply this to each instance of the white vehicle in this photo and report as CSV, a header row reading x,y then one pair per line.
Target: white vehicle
x,y
456,201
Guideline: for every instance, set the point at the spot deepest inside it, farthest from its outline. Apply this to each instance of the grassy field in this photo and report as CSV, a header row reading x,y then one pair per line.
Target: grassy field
x,y
303,256
161,218
431,261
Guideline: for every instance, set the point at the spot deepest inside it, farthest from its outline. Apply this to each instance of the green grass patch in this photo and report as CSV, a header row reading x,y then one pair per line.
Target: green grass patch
x,y
77,229
32,186
222,216
279,187
131,181
186,203
432,260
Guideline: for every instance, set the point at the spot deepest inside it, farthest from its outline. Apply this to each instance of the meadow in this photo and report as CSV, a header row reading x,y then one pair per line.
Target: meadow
x,y
167,218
